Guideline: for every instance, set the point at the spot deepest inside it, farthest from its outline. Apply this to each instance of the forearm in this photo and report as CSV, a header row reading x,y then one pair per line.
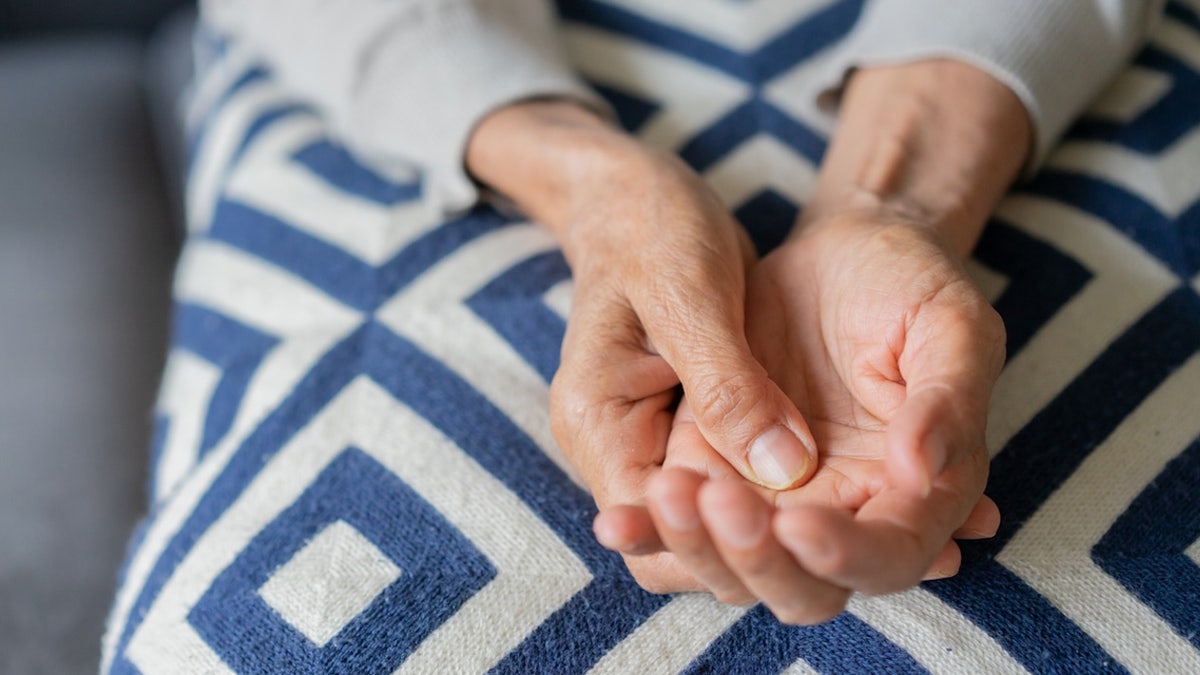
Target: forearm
x,y
537,153
936,141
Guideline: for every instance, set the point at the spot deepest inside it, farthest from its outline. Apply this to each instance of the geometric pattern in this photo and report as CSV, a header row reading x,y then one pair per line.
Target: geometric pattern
x,y
328,583
357,390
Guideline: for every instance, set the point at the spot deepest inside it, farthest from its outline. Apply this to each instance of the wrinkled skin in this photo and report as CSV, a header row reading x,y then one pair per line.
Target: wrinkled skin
x,y
872,328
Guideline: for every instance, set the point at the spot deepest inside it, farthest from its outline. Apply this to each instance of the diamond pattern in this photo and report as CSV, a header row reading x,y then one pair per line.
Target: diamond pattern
x,y
356,380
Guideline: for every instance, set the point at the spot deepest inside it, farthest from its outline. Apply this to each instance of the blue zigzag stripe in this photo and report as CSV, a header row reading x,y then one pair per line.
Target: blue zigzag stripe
x,y
234,347
1162,340
758,643
511,303
1176,242
1162,124
792,46
336,272
1144,549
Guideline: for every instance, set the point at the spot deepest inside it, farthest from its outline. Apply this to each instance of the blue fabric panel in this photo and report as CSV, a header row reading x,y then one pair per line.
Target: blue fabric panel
x,y
235,348
1029,627
512,304
1144,550
354,488
759,644
339,168
276,381
1041,280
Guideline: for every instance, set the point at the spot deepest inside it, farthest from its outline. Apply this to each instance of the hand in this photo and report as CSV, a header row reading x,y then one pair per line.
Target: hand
x,y
659,268
874,330
868,322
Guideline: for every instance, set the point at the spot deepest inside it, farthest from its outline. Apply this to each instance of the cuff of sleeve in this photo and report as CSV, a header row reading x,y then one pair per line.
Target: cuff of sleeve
x,y
463,60
1054,56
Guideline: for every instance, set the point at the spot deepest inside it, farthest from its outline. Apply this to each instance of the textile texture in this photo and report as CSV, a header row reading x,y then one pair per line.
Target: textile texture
x,y
353,470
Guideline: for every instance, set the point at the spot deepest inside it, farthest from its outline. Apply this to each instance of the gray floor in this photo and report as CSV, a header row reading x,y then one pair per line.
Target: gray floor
x,y
85,255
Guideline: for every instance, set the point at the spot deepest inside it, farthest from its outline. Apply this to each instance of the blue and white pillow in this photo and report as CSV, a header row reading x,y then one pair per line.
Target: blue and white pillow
x,y
354,470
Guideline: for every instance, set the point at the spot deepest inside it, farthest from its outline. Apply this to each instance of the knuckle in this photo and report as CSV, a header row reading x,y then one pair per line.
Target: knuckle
x,y
993,323
568,400
723,402
568,405
908,571
901,582
986,324
575,415
910,577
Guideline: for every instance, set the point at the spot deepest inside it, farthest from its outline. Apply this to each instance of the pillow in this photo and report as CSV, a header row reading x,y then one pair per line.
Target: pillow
x,y
353,470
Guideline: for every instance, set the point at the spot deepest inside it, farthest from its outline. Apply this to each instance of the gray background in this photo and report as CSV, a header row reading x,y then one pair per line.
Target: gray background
x,y
88,235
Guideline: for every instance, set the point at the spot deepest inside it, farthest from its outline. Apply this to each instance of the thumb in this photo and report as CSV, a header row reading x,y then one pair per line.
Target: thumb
x,y
944,415
739,410
927,434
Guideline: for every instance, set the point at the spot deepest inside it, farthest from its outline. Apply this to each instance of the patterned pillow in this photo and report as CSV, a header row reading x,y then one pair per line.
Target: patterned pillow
x,y
354,471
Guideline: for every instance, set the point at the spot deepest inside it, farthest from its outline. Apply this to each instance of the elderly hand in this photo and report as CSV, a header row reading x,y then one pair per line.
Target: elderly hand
x,y
867,320
871,326
659,268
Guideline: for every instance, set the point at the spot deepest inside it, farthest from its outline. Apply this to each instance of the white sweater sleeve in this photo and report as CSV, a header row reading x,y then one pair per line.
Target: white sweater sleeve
x,y
409,79
1055,55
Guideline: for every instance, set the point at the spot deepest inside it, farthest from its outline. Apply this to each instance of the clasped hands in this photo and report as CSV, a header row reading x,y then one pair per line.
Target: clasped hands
x,y
787,431
830,438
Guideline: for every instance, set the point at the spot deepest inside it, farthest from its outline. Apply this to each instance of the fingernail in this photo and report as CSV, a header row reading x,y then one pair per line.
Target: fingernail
x,y
936,574
778,458
974,533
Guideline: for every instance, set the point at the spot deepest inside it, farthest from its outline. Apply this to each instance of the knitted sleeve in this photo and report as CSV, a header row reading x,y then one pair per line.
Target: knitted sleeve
x,y
409,79
1055,55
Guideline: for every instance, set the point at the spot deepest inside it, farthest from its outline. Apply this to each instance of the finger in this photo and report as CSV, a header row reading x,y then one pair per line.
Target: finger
x,y
627,529
611,400
630,529
887,546
946,563
950,362
697,324
851,555
672,496
662,573
688,449
982,522
740,524
927,434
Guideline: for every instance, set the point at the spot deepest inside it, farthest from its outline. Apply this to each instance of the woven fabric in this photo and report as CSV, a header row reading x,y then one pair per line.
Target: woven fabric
x,y
354,471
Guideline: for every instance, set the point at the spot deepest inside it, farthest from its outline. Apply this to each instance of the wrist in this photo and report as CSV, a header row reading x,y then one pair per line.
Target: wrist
x,y
936,142
541,155
584,179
